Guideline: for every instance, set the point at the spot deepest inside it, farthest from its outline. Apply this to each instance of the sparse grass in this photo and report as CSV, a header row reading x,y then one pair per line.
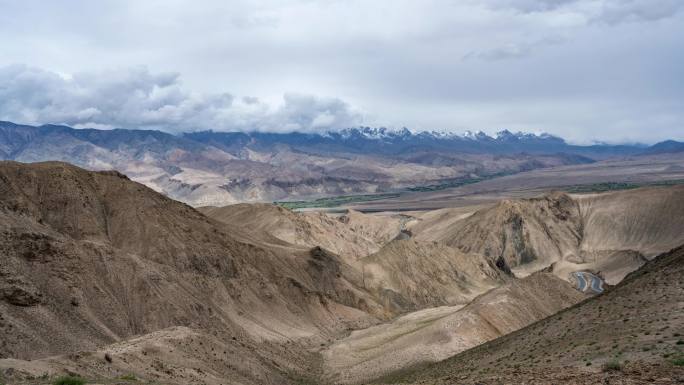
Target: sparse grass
x,y
128,377
613,186
69,380
676,357
335,201
612,366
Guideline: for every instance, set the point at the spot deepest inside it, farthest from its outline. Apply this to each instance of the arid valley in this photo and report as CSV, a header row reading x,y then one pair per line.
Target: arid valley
x,y
327,192
109,280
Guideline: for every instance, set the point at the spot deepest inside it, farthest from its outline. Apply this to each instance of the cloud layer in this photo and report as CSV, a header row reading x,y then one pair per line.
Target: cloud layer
x,y
137,98
584,69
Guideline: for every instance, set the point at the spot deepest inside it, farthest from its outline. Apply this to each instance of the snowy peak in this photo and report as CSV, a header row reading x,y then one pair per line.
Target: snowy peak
x,y
373,133
383,133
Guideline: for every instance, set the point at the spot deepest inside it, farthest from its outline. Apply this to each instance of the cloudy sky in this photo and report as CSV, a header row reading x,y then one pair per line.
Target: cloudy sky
x,y
588,70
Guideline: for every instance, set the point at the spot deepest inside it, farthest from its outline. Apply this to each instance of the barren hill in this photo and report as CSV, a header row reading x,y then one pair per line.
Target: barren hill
x,y
352,235
104,277
611,233
632,334
408,273
437,333
93,258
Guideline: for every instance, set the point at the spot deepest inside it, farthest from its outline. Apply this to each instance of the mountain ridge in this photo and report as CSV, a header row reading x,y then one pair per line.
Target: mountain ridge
x,y
352,134
219,168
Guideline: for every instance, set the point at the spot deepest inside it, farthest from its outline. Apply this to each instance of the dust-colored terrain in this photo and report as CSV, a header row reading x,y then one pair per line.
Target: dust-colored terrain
x,y
610,233
206,168
643,169
91,259
631,334
352,235
106,278
436,334
427,274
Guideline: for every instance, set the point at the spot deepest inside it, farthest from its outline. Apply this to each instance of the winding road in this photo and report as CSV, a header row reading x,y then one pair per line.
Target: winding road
x,y
594,282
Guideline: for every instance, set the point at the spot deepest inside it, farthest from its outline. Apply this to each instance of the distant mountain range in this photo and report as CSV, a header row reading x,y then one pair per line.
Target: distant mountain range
x,y
218,168
398,142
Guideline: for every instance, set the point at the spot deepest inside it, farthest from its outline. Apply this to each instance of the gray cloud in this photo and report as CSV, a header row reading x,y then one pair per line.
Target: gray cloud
x,y
531,5
608,11
618,11
513,50
137,98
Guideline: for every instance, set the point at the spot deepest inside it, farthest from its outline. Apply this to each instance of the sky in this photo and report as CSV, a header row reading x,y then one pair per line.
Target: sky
x,y
586,70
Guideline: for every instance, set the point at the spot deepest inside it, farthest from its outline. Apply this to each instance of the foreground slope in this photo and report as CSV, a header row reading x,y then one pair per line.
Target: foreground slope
x,y
92,258
631,334
95,265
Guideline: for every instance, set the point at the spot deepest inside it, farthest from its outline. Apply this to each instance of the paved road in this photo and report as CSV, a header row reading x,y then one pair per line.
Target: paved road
x,y
595,283
581,282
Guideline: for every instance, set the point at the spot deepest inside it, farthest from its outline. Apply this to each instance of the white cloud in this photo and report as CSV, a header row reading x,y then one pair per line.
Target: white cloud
x,y
137,98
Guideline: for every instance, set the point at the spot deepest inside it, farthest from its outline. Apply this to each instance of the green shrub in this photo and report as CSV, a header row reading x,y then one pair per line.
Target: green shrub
x,y
128,377
678,361
612,366
69,380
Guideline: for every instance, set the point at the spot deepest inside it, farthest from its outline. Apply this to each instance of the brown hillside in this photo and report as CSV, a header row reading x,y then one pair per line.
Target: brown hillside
x,y
611,233
92,258
407,273
434,334
632,334
352,235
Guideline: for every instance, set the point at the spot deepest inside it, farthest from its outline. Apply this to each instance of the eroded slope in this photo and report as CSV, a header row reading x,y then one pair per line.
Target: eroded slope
x,y
611,233
636,328
93,258
435,334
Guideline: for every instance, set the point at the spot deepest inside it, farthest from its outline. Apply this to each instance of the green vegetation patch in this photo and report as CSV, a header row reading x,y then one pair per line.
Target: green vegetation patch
x,y
677,358
614,186
458,182
69,380
335,201
612,366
